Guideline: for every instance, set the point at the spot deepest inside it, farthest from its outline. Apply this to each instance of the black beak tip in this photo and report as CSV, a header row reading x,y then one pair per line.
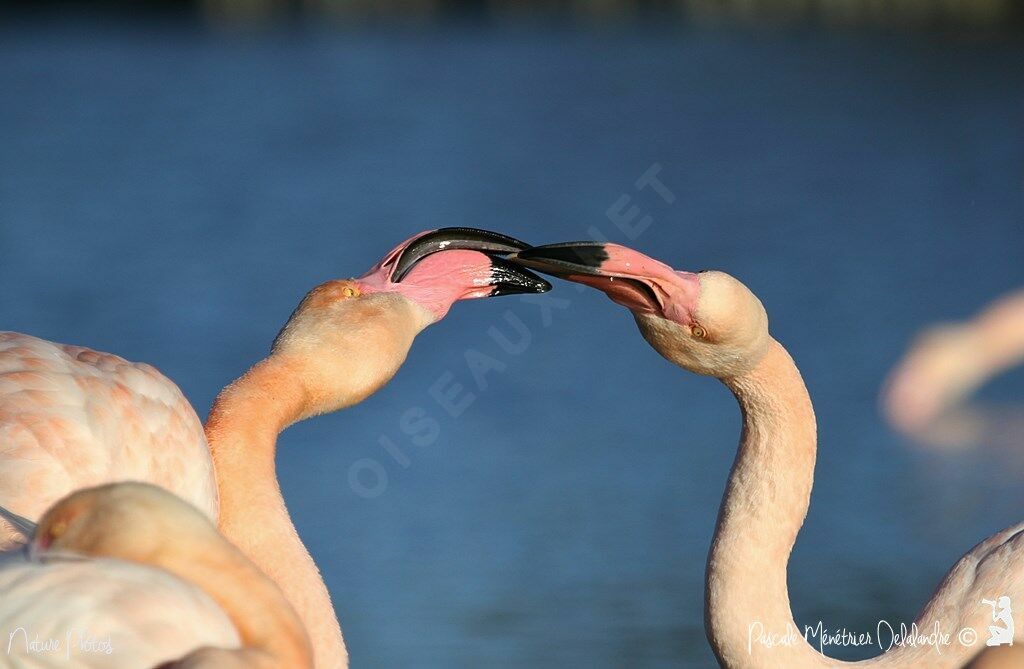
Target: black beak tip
x,y
510,279
483,240
564,258
443,239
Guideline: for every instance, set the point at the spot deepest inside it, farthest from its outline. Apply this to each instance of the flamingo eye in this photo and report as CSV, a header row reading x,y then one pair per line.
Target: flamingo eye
x,y
698,331
57,529
350,291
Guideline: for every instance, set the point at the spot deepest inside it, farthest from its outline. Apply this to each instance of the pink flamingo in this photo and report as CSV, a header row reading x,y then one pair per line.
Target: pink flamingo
x,y
73,418
128,574
711,324
948,362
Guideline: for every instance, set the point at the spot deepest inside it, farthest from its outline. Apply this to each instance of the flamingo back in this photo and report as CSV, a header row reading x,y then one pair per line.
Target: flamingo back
x,y
71,418
103,614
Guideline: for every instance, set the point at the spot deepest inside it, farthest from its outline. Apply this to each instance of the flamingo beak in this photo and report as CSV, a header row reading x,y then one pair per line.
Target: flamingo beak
x,y
438,268
565,259
506,278
628,277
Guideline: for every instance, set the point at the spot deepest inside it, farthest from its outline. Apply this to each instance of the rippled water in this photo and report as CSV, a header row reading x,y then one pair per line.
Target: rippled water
x,y
169,195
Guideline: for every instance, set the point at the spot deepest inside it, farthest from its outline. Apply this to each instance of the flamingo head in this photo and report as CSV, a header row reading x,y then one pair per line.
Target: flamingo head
x,y
707,322
348,337
432,271
129,521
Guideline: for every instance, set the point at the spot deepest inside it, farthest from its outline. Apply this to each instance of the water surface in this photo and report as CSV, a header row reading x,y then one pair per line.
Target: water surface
x,y
169,195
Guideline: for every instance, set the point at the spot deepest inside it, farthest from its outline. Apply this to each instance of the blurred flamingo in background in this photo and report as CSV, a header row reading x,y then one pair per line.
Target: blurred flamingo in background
x,y
948,362
711,324
128,574
73,418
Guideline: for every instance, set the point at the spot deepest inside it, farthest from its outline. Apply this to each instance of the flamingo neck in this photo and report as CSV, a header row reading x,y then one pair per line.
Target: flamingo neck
x,y
765,503
1000,333
747,609
242,431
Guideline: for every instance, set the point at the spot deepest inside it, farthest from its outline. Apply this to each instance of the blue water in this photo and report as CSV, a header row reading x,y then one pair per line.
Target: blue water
x,y
170,194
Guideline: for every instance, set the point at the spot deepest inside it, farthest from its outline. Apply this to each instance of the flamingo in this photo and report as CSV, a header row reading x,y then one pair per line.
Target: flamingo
x,y
947,362
72,418
128,574
711,324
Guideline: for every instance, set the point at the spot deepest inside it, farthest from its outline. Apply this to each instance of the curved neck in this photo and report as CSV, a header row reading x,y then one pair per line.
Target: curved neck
x,y
242,430
747,612
1000,330
765,503
266,623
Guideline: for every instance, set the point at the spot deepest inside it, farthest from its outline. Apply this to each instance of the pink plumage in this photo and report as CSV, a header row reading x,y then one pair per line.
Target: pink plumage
x,y
71,417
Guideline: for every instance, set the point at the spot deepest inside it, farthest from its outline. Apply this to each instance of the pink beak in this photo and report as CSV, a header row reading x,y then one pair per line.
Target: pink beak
x,y
628,277
440,267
